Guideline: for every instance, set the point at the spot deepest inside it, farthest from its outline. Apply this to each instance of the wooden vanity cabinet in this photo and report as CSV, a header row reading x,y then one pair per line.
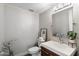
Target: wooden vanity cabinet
x,y
46,52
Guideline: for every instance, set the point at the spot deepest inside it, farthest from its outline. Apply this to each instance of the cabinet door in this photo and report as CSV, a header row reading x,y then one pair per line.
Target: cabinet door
x,y
46,52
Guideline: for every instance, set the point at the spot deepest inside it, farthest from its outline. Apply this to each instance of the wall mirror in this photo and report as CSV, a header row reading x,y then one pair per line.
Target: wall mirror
x,y
62,22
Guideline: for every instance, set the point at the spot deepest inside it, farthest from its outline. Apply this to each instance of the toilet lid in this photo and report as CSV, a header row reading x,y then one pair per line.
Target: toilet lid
x,y
34,49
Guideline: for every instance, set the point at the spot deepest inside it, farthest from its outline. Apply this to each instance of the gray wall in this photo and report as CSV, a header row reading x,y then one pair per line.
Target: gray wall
x,y
76,20
1,25
20,25
45,21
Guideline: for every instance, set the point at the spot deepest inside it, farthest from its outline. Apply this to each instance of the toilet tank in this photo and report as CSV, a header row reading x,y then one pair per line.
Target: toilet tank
x,y
40,40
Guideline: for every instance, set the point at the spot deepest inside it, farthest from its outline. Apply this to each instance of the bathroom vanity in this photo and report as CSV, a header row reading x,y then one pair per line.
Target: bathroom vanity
x,y
47,52
52,48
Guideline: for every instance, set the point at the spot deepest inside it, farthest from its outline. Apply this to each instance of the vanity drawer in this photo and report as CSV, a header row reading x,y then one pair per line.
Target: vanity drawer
x,y
46,52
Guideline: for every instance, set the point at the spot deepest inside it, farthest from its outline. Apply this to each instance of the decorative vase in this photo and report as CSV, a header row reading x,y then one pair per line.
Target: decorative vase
x,y
72,41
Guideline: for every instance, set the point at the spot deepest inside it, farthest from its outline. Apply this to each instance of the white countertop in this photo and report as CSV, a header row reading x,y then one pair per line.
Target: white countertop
x,y
59,48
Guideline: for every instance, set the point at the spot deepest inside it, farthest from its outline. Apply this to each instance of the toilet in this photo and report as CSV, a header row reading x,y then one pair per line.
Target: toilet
x,y
35,51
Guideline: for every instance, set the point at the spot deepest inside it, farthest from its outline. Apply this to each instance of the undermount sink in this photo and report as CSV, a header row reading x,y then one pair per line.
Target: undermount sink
x,y
59,48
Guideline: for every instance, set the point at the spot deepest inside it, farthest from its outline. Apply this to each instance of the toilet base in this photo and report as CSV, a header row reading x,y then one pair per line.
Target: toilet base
x,y
36,54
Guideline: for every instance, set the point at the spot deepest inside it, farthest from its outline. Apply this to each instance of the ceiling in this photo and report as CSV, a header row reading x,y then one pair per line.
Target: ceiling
x,y
35,7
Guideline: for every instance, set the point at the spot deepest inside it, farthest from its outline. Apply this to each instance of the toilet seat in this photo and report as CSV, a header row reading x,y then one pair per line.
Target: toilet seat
x,y
34,49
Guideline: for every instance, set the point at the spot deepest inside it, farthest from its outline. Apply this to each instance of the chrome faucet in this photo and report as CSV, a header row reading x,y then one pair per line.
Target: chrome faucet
x,y
60,35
